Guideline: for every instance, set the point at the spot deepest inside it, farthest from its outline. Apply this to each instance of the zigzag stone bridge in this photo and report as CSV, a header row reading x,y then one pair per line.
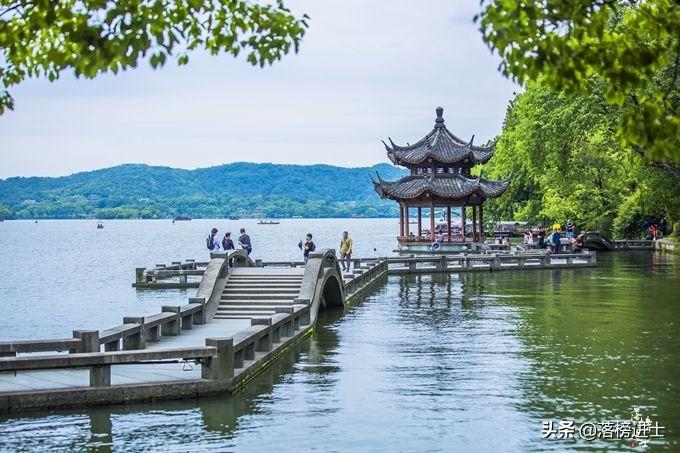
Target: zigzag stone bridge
x,y
243,317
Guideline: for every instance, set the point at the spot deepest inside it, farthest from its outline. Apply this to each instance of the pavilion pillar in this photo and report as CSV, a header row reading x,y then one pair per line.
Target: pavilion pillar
x,y
420,221
401,220
432,236
474,223
462,221
448,223
481,223
406,221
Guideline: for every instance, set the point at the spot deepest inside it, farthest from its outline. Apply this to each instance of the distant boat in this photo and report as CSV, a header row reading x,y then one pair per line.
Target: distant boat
x,y
100,225
268,222
181,217
234,217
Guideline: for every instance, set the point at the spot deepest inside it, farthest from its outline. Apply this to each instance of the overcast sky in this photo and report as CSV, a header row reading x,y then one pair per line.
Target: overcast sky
x,y
365,71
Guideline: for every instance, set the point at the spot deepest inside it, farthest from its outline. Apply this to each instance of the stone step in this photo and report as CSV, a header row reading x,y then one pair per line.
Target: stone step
x,y
262,285
266,277
270,296
233,316
273,303
257,290
243,314
258,308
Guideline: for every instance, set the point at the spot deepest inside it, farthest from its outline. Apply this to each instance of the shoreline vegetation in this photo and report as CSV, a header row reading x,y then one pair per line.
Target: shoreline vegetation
x,y
133,191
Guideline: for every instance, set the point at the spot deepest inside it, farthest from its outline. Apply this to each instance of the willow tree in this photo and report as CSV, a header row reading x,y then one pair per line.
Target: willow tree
x,y
90,37
630,48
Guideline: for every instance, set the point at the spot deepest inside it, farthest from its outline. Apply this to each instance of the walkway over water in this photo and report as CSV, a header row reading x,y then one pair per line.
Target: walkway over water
x,y
242,318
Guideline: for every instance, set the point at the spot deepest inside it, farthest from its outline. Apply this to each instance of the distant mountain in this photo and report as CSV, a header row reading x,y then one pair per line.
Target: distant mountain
x,y
243,189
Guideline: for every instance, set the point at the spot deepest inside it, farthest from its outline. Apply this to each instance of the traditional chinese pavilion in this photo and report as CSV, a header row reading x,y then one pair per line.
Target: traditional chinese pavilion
x,y
440,179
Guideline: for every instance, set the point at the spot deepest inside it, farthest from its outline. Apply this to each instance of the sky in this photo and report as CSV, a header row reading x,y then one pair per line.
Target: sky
x,y
365,71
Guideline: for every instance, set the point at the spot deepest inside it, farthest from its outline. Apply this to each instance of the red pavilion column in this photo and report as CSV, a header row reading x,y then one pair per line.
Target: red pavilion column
x,y
462,220
432,236
401,220
474,223
448,223
481,223
406,221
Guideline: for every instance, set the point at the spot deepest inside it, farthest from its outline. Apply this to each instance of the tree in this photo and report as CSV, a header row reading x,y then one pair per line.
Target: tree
x,y
567,163
90,37
630,47
5,212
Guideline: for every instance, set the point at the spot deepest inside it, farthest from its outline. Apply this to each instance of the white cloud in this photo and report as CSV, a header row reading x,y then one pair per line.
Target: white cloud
x,y
366,70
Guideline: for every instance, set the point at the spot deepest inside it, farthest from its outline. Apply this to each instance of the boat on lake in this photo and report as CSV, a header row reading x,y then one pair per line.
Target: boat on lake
x,y
268,222
181,217
100,225
234,217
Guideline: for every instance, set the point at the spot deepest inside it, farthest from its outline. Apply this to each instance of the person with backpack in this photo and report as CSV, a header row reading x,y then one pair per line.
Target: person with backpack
x,y
307,246
244,242
212,242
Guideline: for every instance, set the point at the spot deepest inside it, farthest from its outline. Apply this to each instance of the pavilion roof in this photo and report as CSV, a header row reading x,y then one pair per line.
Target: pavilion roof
x,y
445,185
439,145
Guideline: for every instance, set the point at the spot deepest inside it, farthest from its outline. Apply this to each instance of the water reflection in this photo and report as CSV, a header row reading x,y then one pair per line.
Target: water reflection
x,y
469,362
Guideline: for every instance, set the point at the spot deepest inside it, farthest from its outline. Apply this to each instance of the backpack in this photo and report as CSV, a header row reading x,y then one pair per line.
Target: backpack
x,y
210,243
312,246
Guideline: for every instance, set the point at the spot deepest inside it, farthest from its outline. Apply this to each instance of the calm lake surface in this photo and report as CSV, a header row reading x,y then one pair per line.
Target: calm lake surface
x,y
470,362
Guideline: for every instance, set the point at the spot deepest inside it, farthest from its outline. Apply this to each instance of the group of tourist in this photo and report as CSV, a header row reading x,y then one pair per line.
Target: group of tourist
x,y
554,240
307,245
215,245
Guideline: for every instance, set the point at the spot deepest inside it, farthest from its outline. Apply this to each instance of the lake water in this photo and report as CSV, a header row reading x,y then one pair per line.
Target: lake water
x,y
470,362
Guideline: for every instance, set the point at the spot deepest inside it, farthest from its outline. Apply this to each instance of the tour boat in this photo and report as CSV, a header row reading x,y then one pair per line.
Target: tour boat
x,y
181,217
100,225
268,222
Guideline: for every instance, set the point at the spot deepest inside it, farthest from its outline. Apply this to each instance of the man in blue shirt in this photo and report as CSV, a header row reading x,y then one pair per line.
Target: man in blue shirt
x,y
556,239
244,241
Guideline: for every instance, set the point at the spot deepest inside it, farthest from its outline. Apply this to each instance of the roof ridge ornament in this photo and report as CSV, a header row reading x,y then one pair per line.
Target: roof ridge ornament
x,y
471,140
439,122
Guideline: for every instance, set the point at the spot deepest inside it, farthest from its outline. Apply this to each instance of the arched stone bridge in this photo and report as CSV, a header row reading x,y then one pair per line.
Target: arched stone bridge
x,y
245,315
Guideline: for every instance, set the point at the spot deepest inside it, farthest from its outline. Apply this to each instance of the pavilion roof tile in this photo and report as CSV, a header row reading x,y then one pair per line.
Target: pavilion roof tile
x,y
447,185
439,145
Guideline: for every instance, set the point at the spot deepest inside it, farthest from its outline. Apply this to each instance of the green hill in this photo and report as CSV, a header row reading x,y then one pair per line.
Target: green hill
x,y
243,189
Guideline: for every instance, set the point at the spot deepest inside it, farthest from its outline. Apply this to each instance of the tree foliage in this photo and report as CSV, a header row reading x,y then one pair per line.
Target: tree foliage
x,y
47,37
243,189
629,50
567,163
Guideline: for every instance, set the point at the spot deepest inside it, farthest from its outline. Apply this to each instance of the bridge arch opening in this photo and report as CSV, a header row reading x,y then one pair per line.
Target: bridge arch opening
x,y
332,293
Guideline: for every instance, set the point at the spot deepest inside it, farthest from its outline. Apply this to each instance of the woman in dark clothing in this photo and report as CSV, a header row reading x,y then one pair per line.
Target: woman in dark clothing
x,y
227,243
307,246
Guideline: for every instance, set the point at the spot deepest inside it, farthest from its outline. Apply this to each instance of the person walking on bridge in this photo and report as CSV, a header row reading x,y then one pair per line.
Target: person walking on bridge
x,y
244,242
346,244
307,246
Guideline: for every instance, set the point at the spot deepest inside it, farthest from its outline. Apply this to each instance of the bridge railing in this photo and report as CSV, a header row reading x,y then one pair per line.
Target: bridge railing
x,y
220,359
99,363
146,277
447,263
